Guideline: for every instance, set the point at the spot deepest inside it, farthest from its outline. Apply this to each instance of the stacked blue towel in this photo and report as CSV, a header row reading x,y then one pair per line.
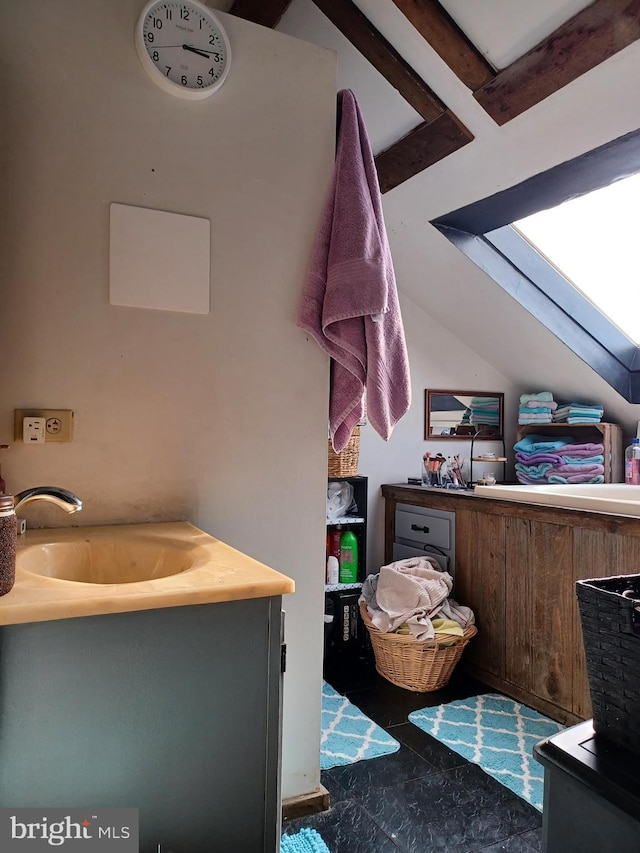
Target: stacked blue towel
x,y
536,408
484,411
540,460
578,413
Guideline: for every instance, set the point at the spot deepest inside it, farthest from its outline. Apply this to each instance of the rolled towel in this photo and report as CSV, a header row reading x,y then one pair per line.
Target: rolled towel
x,y
575,470
587,449
534,410
534,404
545,396
542,443
557,479
537,458
537,472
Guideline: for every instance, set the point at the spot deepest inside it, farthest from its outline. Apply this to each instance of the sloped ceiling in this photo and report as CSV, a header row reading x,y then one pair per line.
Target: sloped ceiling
x,y
587,54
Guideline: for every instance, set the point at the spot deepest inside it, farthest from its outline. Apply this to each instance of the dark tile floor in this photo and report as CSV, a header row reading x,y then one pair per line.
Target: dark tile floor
x,y
422,798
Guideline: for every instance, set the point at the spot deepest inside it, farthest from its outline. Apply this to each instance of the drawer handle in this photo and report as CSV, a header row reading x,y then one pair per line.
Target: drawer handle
x,y
421,529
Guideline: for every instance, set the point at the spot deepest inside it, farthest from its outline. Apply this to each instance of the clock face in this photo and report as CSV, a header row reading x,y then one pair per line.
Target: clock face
x,y
183,47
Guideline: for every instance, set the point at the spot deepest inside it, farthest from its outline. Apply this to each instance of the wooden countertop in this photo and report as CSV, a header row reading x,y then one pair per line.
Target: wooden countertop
x,y
211,572
451,499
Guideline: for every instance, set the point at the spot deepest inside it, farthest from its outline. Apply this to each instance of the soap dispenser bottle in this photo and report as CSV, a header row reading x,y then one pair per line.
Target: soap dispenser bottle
x,y
632,463
3,487
8,535
348,557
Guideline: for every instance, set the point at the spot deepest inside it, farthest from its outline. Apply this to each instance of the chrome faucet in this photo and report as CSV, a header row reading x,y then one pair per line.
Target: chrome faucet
x,y
63,498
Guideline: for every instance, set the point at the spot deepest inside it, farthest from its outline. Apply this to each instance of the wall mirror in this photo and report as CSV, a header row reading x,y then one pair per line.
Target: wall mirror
x,y
463,414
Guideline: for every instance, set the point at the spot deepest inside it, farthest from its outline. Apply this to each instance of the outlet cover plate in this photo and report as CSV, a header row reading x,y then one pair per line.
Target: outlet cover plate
x,y
58,426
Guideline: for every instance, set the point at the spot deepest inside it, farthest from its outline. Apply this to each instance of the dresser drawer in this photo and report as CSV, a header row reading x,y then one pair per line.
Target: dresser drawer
x,y
406,552
427,529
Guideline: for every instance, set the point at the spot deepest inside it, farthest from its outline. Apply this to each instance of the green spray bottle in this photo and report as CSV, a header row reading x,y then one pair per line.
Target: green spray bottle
x,y
348,557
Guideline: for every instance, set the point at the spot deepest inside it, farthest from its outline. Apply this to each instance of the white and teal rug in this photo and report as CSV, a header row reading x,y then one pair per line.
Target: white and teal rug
x,y
347,735
305,841
496,733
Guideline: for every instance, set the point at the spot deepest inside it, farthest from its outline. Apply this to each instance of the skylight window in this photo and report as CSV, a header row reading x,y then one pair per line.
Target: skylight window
x,y
565,244
594,242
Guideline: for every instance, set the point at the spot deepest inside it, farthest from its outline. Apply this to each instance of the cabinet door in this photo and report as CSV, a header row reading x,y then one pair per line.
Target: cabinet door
x,y
538,609
596,554
480,563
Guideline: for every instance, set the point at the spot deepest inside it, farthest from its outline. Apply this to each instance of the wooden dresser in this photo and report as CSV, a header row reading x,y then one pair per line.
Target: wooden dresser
x,y
516,565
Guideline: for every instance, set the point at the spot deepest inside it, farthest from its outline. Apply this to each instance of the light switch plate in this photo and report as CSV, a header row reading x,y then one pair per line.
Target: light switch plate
x,y
58,423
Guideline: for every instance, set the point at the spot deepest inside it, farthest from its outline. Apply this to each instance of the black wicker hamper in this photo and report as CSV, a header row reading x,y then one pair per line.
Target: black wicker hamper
x,y
610,616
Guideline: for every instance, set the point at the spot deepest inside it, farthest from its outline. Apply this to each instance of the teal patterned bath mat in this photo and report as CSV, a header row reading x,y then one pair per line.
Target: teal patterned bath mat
x,y
347,735
496,733
305,841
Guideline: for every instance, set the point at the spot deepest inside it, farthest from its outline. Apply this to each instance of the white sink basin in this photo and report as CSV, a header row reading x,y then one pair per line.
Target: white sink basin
x,y
108,561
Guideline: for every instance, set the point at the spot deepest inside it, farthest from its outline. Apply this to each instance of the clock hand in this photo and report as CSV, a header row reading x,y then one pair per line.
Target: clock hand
x,y
197,50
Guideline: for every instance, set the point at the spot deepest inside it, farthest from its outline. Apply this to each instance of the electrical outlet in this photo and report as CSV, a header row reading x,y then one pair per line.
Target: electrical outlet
x,y
58,424
33,430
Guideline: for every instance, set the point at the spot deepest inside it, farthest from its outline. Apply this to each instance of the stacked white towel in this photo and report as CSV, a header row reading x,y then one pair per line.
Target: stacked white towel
x,y
536,408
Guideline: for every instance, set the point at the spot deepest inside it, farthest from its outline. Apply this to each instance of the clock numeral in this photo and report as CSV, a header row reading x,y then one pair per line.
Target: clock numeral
x,y
184,14
212,39
199,80
150,37
169,15
155,56
157,23
212,72
168,67
215,57
184,80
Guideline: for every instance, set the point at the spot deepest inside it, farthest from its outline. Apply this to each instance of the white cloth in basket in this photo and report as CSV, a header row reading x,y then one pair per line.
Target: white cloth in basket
x,y
413,591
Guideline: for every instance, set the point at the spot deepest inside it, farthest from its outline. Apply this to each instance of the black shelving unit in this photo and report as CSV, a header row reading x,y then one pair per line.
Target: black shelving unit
x,y
347,633
357,523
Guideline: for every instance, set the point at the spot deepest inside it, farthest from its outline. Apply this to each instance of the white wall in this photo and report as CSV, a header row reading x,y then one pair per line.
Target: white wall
x,y
221,418
484,333
438,360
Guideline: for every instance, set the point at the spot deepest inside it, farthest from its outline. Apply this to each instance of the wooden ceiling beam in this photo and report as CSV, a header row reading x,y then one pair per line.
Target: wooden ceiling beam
x,y
583,42
267,13
439,29
346,16
420,148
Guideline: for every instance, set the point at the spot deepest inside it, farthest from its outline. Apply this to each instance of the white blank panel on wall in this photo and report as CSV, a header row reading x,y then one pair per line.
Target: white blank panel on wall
x,y
159,260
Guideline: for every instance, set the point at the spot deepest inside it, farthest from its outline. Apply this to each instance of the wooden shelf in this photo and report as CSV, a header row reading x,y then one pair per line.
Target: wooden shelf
x,y
489,459
339,587
609,435
345,519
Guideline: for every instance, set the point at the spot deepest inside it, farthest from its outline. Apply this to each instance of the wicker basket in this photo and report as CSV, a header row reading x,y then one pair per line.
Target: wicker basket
x,y
611,634
421,666
345,464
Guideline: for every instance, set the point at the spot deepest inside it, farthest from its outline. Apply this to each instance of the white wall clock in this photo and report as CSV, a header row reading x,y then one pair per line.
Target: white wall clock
x,y
183,47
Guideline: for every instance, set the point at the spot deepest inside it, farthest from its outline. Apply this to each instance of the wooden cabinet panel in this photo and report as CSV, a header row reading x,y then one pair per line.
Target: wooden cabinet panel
x,y
539,633
596,554
479,583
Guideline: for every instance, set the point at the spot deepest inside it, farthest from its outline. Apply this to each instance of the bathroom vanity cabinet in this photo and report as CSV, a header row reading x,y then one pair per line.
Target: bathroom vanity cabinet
x,y
174,712
516,567
141,667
